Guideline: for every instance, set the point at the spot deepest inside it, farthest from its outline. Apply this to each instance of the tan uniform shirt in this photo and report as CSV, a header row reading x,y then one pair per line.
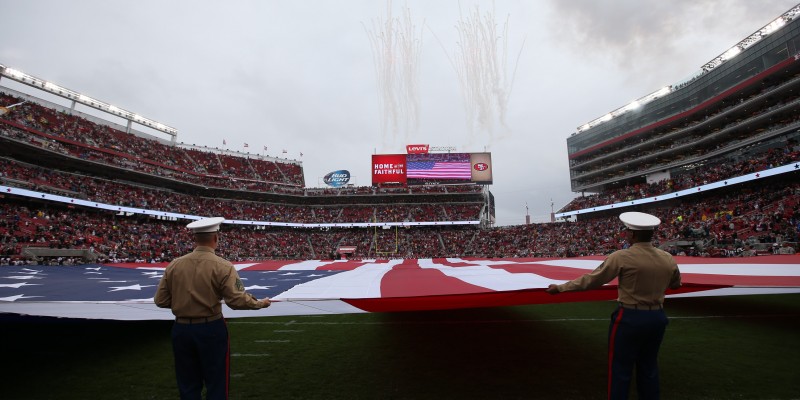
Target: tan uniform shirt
x,y
644,273
193,285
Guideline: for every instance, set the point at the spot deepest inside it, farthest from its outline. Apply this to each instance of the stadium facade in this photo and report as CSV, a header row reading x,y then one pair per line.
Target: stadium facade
x,y
698,154
75,185
736,107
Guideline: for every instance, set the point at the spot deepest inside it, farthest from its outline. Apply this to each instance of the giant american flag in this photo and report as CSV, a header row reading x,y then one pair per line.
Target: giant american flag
x,y
125,291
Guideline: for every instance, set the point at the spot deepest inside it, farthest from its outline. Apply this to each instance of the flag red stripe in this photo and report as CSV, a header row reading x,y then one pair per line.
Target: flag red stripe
x,y
409,279
496,299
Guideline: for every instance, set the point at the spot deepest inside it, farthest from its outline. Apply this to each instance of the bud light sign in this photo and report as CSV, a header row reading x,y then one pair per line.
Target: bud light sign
x,y
337,178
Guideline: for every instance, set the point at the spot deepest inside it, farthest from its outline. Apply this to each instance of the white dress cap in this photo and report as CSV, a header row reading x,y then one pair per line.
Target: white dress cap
x,y
206,225
638,221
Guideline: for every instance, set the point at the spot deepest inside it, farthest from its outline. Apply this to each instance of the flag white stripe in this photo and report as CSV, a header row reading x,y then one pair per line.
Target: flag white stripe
x,y
491,278
308,265
360,283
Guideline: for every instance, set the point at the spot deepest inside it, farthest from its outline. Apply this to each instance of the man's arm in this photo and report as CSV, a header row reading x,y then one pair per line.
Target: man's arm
x,y
236,297
675,281
603,274
163,297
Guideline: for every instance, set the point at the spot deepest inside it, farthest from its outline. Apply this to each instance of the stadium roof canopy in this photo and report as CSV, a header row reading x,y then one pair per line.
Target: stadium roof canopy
x,y
79,98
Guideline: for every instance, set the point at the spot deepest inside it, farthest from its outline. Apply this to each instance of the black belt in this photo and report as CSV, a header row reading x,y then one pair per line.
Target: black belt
x,y
203,320
641,307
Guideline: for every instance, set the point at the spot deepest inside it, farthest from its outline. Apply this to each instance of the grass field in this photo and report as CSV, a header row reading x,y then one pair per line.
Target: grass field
x,y
743,347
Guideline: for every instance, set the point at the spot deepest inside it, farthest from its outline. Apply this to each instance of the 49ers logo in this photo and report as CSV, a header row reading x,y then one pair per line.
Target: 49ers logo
x,y
481,166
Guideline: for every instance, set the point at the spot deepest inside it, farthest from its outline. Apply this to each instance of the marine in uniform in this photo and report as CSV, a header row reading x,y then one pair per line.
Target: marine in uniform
x,y
192,286
638,323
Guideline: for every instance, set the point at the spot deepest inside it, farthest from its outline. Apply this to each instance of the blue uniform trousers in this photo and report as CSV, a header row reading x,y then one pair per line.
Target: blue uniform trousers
x,y
202,355
634,338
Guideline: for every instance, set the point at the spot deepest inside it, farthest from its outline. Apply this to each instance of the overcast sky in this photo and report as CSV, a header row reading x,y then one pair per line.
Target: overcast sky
x,y
304,76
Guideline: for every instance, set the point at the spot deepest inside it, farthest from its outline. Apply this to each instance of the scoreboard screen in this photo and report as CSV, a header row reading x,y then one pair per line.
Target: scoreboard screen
x,y
418,169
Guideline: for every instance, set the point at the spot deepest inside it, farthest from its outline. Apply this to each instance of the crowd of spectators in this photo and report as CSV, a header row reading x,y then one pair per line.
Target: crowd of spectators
x,y
753,218
74,136
712,172
79,137
766,218
19,174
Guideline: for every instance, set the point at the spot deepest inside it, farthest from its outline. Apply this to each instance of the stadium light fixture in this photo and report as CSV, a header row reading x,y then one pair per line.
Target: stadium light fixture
x,y
774,26
76,97
633,105
732,52
663,92
13,73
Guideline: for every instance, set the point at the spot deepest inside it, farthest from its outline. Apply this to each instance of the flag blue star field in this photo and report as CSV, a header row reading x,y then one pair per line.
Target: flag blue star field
x,y
107,283
125,291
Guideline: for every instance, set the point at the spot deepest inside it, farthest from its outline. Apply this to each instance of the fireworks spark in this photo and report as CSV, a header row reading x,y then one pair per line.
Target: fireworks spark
x,y
481,64
396,49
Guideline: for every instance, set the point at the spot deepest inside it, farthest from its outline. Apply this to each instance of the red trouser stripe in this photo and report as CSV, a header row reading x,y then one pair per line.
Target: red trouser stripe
x,y
227,364
611,341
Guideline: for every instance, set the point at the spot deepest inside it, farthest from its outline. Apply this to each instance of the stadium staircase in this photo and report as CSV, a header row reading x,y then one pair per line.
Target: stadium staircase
x,y
285,178
441,242
195,163
256,174
219,163
311,246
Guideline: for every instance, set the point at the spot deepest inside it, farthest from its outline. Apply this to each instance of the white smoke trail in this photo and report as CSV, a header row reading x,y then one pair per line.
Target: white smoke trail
x,y
481,65
396,49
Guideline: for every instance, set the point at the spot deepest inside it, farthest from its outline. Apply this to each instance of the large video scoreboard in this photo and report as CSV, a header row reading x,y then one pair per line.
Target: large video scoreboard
x,y
427,168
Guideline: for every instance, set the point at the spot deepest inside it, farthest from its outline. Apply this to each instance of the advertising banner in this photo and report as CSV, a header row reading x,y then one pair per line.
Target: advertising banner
x,y
388,168
337,178
418,148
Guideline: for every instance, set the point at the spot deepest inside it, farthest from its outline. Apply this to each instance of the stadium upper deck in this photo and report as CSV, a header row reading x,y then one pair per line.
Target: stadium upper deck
x,y
744,102
59,140
63,166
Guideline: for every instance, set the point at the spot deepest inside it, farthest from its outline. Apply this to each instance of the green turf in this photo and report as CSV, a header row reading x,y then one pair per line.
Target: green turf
x,y
744,347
